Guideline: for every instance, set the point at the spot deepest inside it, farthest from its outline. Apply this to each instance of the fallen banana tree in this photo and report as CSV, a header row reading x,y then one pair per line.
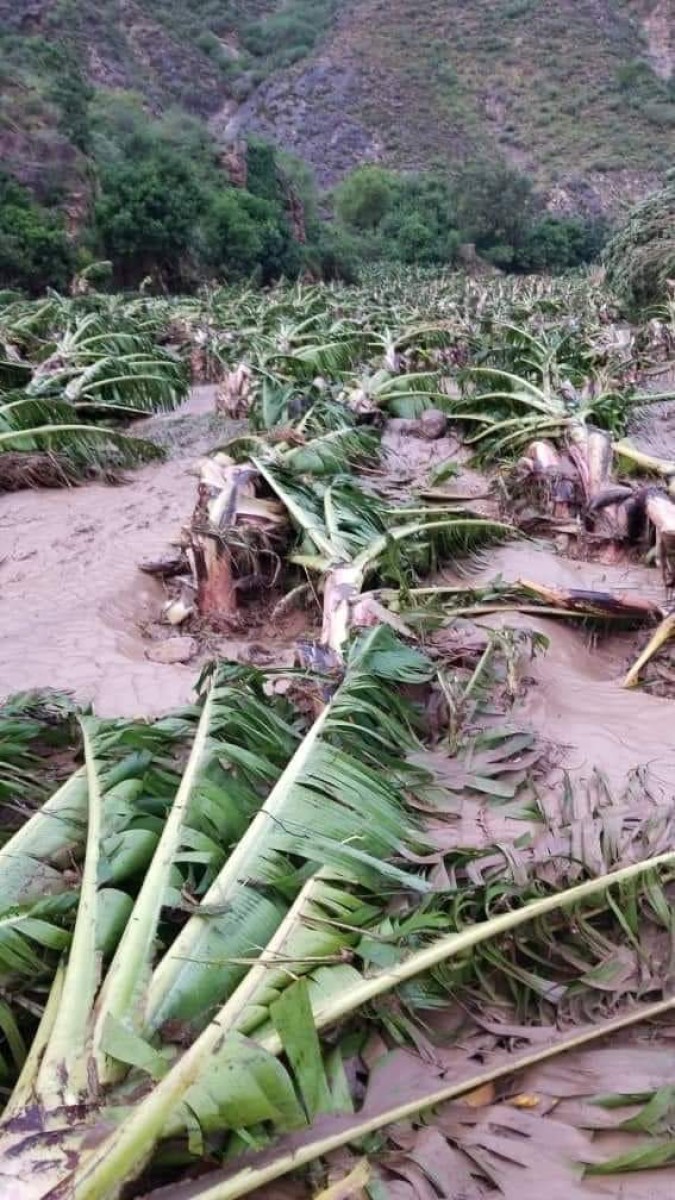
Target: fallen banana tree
x,y
214,945
525,596
227,1032
256,519
44,443
49,434
84,1014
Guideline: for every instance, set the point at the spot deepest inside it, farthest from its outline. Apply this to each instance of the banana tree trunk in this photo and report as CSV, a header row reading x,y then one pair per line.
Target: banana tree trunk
x,y
660,512
229,524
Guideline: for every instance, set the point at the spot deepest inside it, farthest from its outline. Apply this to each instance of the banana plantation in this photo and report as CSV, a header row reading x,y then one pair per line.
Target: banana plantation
x,y
383,910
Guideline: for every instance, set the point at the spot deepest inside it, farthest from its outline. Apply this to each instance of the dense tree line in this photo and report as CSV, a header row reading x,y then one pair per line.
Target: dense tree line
x,y
425,219
161,206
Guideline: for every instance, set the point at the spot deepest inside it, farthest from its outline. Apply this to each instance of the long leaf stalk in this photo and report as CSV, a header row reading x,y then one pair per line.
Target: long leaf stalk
x,y
125,981
236,868
295,887
64,1077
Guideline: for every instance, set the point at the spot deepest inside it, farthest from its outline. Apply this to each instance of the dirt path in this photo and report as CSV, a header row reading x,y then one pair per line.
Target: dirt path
x,y
71,594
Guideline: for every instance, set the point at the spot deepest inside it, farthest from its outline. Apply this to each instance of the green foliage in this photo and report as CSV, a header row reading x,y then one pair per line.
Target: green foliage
x,y
496,206
403,218
166,210
640,258
245,235
421,225
34,250
364,198
281,37
423,219
51,74
561,243
416,220
568,87
262,172
161,207
146,216
334,255
67,88
66,369
233,237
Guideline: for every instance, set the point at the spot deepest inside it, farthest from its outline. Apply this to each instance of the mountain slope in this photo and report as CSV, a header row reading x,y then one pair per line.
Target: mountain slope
x,y
568,91
580,93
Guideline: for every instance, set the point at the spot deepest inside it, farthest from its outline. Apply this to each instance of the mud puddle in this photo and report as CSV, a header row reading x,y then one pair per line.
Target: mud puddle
x,y
71,595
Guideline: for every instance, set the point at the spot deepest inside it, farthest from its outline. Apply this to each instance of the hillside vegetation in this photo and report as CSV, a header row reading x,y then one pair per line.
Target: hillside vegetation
x,y
581,93
130,129
565,89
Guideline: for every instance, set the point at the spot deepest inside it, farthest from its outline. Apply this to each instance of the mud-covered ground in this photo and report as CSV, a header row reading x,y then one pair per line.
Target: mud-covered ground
x,y
76,611
72,600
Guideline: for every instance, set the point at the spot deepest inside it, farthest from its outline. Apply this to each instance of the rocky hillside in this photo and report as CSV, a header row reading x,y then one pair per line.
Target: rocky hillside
x,y
580,93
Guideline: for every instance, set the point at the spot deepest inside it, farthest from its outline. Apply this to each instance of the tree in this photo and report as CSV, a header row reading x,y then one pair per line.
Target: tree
x,y
34,250
262,173
496,206
147,215
233,237
333,254
415,240
560,243
364,198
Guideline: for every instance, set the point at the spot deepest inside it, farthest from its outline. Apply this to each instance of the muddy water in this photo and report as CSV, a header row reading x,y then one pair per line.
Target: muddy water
x,y
72,599
576,699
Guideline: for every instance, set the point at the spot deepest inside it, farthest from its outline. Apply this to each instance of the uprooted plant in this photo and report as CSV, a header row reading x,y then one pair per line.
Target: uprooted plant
x,y
283,510
294,924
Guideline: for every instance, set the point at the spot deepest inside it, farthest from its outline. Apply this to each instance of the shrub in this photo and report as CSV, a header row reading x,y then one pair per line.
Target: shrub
x,y
147,216
34,250
334,255
560,243
496,206
364,197
233,238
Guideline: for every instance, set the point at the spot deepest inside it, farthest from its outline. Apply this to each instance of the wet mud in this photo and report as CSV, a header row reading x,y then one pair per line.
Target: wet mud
x,y
75,610
574,698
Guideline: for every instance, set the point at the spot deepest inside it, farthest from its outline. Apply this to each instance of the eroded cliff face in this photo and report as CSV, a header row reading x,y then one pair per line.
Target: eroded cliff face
x,y
577,92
